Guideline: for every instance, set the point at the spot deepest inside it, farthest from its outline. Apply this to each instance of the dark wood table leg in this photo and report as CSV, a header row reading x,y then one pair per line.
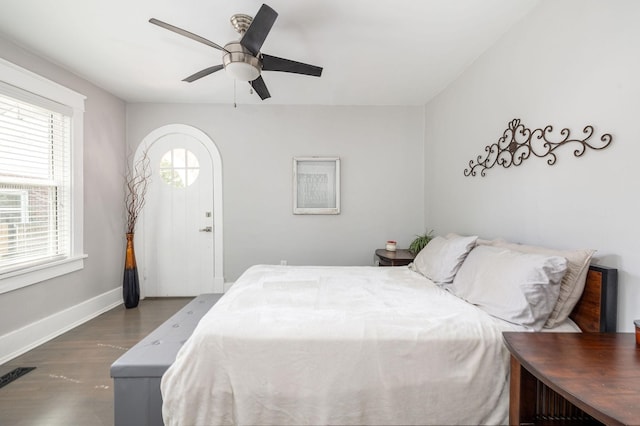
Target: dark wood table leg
x,y
522,395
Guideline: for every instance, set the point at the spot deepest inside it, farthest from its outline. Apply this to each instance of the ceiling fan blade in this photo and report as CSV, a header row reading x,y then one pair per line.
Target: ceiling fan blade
x,y
257,32
260,88
273,63
186,34
205,72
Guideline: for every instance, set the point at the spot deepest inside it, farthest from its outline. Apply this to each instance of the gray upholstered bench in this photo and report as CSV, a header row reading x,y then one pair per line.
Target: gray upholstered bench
x,y
137,373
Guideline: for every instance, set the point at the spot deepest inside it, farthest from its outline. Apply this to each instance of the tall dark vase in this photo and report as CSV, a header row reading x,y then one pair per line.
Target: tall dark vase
x,y
130,284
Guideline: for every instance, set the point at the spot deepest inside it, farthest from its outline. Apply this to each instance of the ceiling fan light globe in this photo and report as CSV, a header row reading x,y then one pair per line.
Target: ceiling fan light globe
x,y
240,63
242,71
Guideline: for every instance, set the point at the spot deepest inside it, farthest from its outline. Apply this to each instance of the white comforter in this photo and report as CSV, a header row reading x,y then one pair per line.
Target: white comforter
x,y
347,345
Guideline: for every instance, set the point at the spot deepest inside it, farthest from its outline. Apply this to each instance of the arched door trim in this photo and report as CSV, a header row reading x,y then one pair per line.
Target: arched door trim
x,y
216,160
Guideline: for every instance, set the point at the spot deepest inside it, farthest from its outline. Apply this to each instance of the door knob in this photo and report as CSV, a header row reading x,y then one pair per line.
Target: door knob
x,y
207,229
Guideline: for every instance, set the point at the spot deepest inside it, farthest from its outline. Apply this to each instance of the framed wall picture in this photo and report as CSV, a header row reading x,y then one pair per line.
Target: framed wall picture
x,y
316,185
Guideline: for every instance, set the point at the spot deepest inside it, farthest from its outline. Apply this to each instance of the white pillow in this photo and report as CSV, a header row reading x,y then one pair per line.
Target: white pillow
x,y
479,241
517,287
441,258
573,282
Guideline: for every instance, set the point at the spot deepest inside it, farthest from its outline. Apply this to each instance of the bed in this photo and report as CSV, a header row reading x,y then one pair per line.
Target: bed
x,y
367,345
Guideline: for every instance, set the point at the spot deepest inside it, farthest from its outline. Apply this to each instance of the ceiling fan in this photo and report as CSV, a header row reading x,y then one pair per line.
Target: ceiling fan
x,y
243,59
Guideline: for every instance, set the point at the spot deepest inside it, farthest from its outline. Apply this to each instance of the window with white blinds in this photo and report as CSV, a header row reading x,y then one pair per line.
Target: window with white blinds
x,y
34,184
41,200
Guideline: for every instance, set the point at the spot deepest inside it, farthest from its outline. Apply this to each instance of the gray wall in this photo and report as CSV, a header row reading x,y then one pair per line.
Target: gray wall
x,y
569,63
381,151
402,166
104,151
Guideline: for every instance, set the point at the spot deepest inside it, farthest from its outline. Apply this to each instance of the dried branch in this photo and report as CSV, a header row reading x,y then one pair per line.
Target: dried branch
x,y
136,181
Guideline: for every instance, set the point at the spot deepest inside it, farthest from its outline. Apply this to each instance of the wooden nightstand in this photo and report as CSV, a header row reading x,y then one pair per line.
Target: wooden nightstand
x,y
574,378
400,257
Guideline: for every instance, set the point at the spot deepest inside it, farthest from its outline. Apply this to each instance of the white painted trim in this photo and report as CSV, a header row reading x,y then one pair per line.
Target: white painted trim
x,y
218,283
34,83
216,159
17,279
31,82
19,341
228,285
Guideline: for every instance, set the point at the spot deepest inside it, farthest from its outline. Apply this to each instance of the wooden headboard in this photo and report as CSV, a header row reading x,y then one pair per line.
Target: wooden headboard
x,y
597,309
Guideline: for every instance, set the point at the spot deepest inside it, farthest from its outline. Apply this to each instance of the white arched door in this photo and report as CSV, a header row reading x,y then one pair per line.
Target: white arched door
x,y
179,237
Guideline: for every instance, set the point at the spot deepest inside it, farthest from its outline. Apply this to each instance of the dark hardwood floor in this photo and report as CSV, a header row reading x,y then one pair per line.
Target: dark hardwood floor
x,y
71,384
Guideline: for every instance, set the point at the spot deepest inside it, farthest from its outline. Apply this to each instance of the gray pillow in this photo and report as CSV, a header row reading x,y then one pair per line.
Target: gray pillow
x,y
441,258
521,288
572,283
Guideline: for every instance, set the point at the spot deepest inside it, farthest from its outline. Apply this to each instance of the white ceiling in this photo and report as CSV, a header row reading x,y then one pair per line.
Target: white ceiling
x,y
374,52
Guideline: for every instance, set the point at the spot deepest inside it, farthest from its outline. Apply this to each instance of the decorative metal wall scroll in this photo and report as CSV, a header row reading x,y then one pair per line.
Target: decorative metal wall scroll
x,y
519,142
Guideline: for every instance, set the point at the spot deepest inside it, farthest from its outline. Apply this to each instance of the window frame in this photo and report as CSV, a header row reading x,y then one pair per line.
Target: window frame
x,y
24,80
24,202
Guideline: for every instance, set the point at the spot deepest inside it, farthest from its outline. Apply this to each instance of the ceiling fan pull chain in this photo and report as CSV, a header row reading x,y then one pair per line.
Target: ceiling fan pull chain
x,y
234,94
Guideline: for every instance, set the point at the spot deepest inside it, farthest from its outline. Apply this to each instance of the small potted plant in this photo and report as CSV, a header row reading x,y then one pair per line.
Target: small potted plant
x,y
420,241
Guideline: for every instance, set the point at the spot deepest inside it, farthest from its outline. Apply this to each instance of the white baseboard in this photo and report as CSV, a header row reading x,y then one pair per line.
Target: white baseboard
x,y
219,285
28,337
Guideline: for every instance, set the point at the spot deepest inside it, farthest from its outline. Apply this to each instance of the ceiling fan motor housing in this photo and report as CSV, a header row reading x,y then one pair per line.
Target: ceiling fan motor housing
x,y
240,63
241,22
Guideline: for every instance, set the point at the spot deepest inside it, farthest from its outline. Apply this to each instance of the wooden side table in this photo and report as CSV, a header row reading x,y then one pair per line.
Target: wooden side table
x,y
574,378
400,257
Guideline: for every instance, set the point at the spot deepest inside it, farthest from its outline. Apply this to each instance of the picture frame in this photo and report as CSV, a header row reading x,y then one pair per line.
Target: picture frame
x,y
316,185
